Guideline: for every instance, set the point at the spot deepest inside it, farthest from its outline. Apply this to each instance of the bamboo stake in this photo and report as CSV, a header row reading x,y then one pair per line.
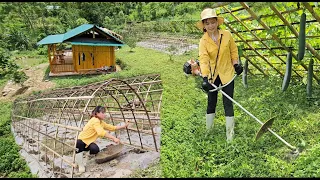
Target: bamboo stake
x,y
135,146
57,154
282,25
264,16
259,39
253,49
268,39
257,67
61,98
117,118
309,47
274,36
129,112
46,134
54,124
142,131
310,9
219,4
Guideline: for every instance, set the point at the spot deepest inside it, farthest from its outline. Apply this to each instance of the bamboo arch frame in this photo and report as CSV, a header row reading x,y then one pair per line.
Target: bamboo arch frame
x,y
49,123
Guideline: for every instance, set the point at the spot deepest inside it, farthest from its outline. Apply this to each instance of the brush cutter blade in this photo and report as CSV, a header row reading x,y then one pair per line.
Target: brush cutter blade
x,y
264,127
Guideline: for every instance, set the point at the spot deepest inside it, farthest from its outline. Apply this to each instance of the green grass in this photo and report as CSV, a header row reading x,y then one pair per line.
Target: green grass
x,y
187,152
153,171
11,163
27,59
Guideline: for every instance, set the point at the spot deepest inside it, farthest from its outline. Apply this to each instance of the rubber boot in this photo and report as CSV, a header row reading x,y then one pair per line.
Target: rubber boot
x,y
86,158
229,128
209,122
80,162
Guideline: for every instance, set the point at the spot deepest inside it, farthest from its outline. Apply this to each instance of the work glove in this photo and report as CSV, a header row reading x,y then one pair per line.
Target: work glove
x,y
206,85
238,69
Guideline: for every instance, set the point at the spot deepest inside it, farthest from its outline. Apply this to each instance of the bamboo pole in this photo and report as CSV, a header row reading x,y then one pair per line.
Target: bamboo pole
x,y
219,4
135,146
62,98
54,124
281,48
276,26
47,136
253,49
257,67
274,36
309,47
259,39
129,112
268,39
253,55
144,107
57,154
266,15
143,131
310,9
120,119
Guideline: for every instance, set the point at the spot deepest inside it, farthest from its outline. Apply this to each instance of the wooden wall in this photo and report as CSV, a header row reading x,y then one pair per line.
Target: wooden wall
x,y
92,57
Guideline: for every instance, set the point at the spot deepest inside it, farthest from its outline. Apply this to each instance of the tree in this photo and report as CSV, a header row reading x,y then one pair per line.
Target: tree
x,y
130,37
172,51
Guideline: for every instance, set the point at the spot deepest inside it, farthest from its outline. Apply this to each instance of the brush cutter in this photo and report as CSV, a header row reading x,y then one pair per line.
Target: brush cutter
x,y
265,126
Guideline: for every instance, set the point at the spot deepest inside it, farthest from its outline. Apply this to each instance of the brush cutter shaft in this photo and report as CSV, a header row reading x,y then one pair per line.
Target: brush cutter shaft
x,y
226,95
220,87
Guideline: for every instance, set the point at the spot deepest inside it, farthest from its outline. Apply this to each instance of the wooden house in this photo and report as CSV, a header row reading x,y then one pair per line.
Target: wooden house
x,y
92,51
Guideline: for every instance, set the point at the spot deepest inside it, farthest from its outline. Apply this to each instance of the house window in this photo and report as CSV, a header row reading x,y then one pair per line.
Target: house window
x,y
83,57
92,58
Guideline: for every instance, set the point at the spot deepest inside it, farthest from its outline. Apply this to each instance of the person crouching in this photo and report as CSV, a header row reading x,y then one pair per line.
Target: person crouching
x,y
91,131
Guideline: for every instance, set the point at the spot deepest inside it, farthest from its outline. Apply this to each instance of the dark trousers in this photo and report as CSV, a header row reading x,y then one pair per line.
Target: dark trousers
x,y
93,148
213,96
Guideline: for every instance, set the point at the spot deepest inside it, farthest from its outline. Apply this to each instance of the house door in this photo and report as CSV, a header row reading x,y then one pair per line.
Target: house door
x,y
85,58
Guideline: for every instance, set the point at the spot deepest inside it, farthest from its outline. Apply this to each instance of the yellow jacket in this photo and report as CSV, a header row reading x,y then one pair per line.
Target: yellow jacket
x,y
228,54
94,128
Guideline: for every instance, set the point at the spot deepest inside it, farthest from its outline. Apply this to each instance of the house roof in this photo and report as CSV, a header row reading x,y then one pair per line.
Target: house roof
x,y
59,38
52,39
77,30
96,44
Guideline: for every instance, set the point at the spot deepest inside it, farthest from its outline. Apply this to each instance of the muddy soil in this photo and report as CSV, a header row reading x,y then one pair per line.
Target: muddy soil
x,y
163,45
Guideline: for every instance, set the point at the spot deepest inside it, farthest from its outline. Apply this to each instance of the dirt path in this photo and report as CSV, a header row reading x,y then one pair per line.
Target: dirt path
x,y
35,82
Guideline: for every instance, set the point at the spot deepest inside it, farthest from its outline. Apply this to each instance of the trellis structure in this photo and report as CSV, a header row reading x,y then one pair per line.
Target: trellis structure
x,y
49,123
265,32
267,38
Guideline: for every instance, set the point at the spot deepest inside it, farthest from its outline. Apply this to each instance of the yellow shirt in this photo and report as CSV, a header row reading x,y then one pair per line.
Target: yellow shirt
x,y
94,128
228,54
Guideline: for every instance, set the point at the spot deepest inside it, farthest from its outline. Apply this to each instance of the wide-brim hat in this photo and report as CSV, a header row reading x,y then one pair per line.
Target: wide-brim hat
x,y
206,14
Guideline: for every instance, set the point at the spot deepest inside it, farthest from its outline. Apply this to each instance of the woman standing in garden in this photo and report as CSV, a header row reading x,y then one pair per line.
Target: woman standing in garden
x,y
218,56
91,131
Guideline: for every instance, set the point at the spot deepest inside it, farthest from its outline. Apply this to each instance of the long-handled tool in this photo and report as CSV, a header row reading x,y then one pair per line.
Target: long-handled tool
x,y
265,126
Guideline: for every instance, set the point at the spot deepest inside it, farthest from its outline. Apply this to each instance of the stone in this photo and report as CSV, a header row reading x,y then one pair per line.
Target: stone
x,y
113,162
